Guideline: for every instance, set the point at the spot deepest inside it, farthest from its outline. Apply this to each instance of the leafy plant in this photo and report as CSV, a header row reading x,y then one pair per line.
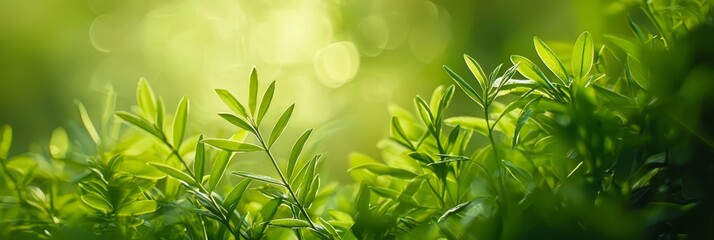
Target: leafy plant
x,y
605,143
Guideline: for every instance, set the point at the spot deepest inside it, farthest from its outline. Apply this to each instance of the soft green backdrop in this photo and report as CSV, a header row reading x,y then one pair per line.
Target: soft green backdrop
x,y
342,62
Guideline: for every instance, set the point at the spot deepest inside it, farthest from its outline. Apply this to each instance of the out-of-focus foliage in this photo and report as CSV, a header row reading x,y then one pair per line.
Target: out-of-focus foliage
x,y
601,138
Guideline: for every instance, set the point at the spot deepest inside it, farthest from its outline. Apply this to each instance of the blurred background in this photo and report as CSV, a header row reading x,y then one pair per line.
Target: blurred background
x,y
342,61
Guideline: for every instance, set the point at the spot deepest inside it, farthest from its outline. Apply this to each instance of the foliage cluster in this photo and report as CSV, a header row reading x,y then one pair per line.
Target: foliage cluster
x,y
610,143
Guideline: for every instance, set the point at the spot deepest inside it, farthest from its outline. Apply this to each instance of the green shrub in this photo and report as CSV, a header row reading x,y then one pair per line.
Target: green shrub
x,y
612,142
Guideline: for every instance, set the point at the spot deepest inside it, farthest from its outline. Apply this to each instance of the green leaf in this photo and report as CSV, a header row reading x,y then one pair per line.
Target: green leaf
x,y
385,170
280,125
296,150
140,123
453,135
160,112
265,103
529,70
522,118
521,175
234,196
59,144
551,60
627,46
258,177
180,120
421,157
312,191
253,97
199,161
289,223
5,140
109,104
636,30
219,168
231,145
237,121
637,72
471,123
267,213
88,123
454,210
138,208
424,111
97,203
477,71
400,131
465,86
173,172
583,55
232,103
146,100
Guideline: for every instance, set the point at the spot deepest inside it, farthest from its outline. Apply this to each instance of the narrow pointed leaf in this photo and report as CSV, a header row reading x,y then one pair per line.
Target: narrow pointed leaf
x,y
88,123
234,196
199,161
139,123
471,123
470,91
173,172
97,203
265,103
236,121
454,210
253,97
280,125
551,60
583,55
232,145
138,208
258,177
289,223
296,150
231,102
477,71
385,170
522,119
146,100
180,120
219,168
529,70
160,114
5,140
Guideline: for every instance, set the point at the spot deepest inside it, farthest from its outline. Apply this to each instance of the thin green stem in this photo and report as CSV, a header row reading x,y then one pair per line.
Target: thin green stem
x,y
286,184
225,220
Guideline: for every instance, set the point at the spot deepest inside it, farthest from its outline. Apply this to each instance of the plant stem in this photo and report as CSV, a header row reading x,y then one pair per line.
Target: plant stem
x,y
497,156
282,176
225,219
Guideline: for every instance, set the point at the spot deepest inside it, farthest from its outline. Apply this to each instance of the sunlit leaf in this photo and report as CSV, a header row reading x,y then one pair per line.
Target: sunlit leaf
x,y
138,208
232,145
551,60
234,196
454,210
97,203
199,161
522,119
136,121
385,170
258,177
5,140
265,103
180,120
146,100
296,150
470,91
529,70
173,172
88,123
583,56
237,121
289,223
280,125
253,97
477,71
59,144
471,123
232,103
160,114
